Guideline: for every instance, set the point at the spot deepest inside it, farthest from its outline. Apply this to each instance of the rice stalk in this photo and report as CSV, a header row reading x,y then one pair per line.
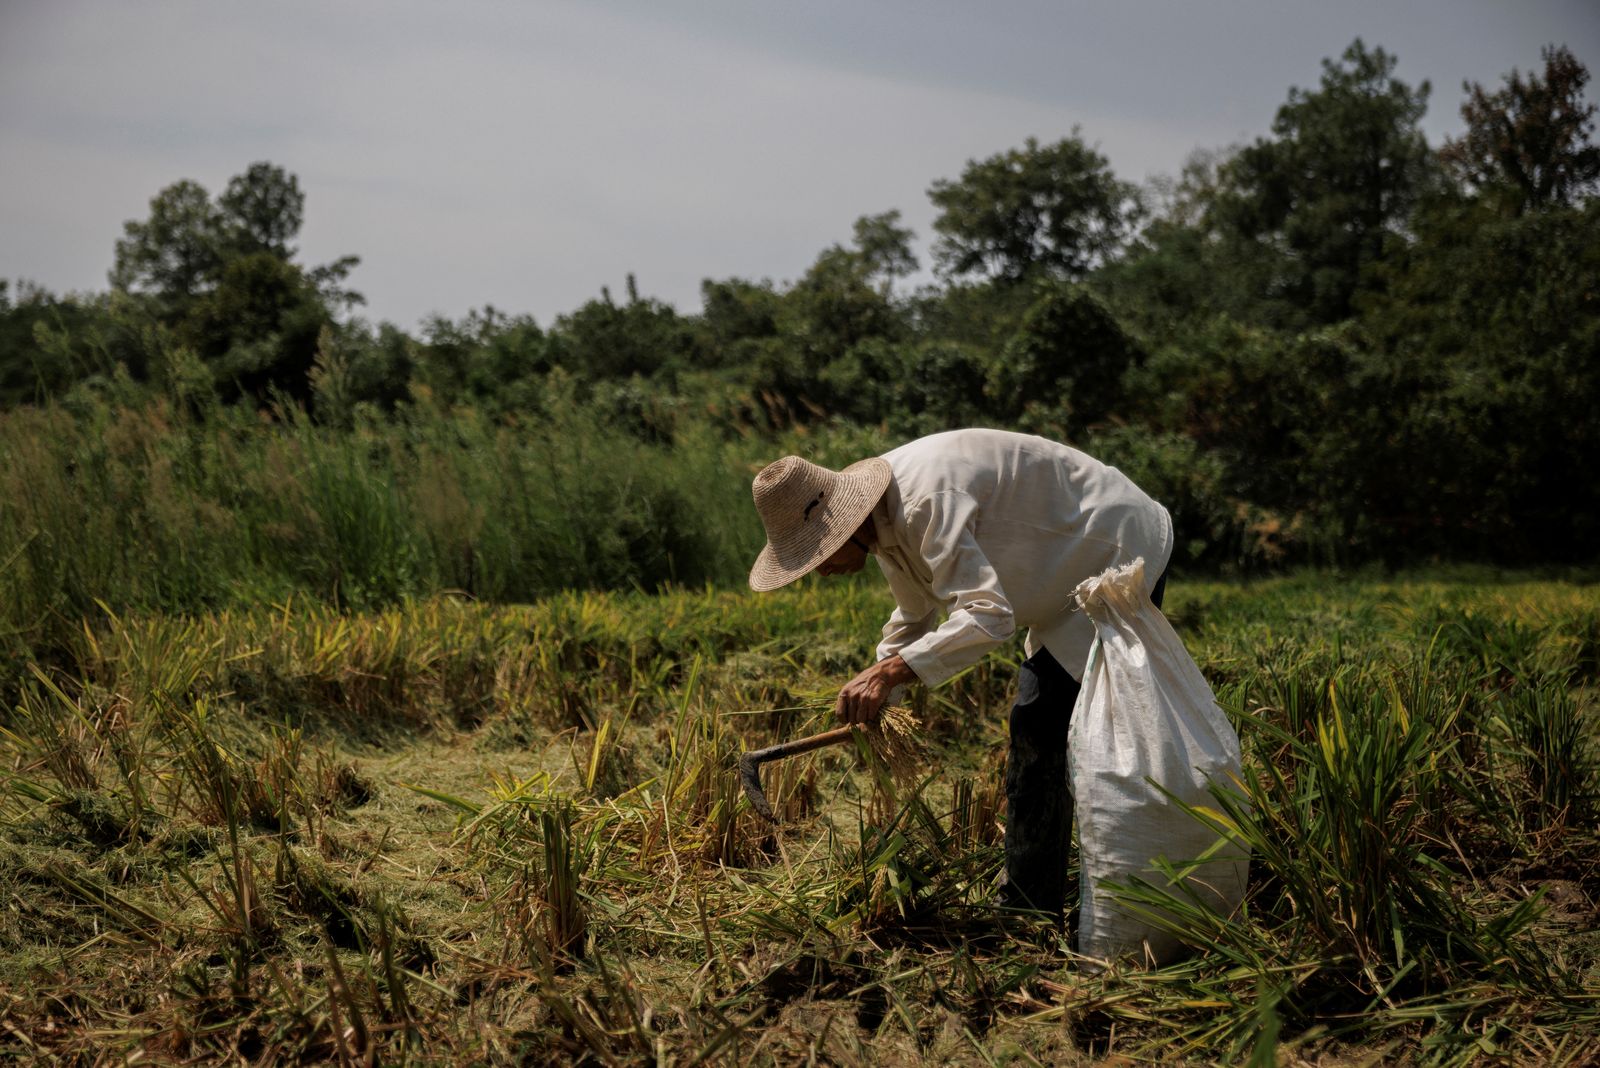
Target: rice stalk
x,y
566,857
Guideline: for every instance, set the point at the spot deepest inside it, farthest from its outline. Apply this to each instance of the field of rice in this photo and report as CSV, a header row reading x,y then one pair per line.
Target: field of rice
x,y
456,833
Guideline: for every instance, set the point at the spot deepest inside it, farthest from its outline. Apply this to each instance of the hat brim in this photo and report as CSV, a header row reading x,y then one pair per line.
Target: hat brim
x,y
858,490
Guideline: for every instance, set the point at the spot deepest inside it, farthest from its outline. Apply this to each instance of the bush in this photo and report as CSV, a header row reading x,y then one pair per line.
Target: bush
x,y
1210,529
1066,363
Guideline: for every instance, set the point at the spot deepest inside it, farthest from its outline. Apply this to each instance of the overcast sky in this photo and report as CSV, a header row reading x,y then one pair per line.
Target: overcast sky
x,y
526,154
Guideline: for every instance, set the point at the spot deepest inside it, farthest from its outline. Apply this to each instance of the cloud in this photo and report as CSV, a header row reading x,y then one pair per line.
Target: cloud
x,y
527,154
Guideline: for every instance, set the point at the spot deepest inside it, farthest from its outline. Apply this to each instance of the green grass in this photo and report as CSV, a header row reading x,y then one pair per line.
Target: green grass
x,y
447,832
155,509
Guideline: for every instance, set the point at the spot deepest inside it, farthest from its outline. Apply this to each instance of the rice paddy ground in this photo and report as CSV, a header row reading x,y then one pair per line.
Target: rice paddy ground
x,y
454,833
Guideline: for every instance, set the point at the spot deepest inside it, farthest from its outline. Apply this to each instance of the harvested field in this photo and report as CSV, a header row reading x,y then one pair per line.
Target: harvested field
x,y
451,833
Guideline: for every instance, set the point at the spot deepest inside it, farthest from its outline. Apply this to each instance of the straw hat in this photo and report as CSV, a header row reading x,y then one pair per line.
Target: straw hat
x,y
809,512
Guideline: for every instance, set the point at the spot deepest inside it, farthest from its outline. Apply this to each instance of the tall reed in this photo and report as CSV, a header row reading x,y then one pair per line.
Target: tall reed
x,y
162,508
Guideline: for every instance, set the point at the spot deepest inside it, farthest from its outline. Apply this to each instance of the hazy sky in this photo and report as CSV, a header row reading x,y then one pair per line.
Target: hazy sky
x,y
525,154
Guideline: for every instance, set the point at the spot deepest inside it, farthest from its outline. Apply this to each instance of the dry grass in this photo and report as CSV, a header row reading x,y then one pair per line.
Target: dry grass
x,y
458,834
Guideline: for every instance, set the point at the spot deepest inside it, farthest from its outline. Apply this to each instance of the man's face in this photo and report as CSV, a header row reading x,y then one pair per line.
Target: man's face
x,y
851,557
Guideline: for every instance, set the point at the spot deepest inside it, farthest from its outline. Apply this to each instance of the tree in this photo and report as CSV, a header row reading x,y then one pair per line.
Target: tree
x,y
1340,176
1495,320
182,250
834,306
50,343
487,358
1066,361
1055,210
176,252
885,246
603,339
942,385
257,328
1188,199
1527,145
735,314
1187,266
261,211
221,275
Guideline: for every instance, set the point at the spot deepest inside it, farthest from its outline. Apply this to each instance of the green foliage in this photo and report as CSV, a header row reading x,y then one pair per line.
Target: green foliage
x,y
159,506
221,275
605,340
1188,265
1260,401
834,306
942,385
1527,144
174,253
735,317
257,328
180,251
910,388
982,314
1320,348
261,211
1213,530
1055,210
1065,365
488,359
1319,200
808,366
885,245
357,544
1488,332
50,344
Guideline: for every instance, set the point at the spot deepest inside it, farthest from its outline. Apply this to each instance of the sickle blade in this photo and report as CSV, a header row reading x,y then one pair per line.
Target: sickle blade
x,y
750,779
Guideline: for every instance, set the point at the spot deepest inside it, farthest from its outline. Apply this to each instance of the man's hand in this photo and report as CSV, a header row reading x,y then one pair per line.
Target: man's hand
x,y
863,697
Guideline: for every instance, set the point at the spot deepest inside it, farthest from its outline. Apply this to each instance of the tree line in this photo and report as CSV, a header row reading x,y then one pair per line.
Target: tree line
x,y
1337,343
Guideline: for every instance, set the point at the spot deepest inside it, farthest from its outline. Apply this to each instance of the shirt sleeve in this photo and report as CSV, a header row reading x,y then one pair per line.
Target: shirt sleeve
x,y
943,533
914,612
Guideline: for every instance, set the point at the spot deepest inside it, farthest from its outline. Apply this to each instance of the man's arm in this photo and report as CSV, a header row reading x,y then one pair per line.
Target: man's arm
x,y
914,613
980,615
964,582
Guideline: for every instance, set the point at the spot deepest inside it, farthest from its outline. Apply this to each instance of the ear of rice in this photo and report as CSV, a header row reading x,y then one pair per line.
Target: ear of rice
x,y
895,740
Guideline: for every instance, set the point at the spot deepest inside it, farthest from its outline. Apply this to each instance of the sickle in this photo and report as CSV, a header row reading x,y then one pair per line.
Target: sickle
x,y
750,763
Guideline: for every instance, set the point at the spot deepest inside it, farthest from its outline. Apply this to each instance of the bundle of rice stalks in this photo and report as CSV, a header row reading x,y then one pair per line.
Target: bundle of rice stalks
x,y
896,743
894,752
892,748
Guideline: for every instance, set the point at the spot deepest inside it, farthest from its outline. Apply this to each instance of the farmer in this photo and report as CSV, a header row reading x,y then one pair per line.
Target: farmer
x,y
989,530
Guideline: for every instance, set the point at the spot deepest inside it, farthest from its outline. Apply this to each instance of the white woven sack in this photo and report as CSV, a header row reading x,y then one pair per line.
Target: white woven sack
x,y
1146,726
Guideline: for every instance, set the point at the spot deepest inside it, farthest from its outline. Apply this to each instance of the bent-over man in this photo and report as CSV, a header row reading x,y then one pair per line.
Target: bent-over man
x,y
978,532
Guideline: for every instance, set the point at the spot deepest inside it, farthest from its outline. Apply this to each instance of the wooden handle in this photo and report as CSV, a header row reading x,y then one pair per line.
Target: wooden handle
x,y
802,745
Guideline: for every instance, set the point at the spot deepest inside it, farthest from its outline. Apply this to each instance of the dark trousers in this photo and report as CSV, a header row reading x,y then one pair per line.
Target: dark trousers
x,y
1038,800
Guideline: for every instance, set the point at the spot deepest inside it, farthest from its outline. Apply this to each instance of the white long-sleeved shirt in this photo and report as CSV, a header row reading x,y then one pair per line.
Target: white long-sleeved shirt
x,y
993,530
